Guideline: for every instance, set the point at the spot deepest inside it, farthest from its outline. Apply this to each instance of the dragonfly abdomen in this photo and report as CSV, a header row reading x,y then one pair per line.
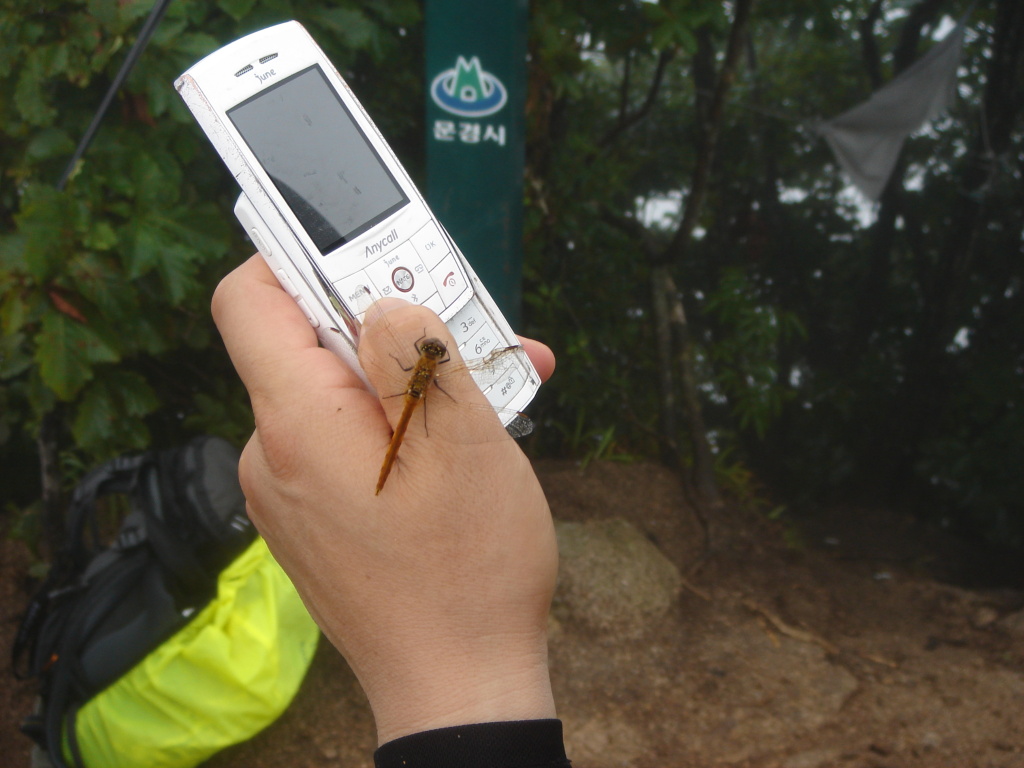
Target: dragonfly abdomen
x,y
432,352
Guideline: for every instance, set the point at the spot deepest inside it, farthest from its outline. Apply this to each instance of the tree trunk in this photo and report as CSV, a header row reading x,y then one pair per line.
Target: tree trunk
x,y
668,301
703,458
661,283
944,284
49,472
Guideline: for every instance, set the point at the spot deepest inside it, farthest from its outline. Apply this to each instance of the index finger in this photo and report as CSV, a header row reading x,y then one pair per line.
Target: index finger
x,y
540,355
270,342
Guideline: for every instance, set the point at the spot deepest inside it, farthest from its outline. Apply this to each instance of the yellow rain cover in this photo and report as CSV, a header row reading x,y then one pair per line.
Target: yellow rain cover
x,y
220,680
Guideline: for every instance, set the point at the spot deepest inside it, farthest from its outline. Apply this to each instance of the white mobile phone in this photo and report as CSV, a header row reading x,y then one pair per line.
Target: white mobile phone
x,y
330,207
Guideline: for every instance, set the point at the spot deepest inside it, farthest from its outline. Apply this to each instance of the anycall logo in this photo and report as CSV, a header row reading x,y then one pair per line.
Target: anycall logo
x,y
374,249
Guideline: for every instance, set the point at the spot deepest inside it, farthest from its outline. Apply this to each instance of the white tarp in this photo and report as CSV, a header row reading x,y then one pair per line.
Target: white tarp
x,y
867,139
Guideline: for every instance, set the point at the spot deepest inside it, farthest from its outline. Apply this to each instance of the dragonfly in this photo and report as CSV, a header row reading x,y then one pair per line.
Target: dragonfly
x,y
435,375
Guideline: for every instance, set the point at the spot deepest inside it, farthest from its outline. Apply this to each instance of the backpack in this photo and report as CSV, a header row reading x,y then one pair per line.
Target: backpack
x,y
112,634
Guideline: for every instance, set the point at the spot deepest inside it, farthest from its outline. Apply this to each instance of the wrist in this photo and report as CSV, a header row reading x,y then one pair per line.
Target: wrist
x,y
429,697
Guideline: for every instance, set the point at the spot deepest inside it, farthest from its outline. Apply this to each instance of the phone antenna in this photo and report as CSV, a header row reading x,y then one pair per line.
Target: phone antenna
x,y
145,33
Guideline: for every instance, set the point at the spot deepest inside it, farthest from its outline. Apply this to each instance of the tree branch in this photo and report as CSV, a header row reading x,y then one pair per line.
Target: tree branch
x,y
628,120
921,15
709,136
868,47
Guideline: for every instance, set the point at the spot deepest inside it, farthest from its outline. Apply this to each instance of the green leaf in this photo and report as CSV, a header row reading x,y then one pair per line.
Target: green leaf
x,y
236,9
146,242
205,230
12,250
398,12
95,417
196,44
30,93
107,12
350,25
111,409
663,37
155,248
101,236
46,225
156,178
50,142
14,359
101,281
177,271
12,312
66,352
169,30
225,412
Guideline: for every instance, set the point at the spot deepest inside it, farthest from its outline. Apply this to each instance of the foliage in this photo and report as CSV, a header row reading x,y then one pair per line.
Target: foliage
x,y
105,285
587,276
843,347
744,358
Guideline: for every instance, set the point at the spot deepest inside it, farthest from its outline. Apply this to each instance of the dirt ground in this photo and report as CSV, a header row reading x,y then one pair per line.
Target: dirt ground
x,y
834,644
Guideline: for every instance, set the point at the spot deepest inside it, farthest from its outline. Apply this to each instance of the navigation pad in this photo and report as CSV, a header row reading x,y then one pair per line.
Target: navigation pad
x,y
421,270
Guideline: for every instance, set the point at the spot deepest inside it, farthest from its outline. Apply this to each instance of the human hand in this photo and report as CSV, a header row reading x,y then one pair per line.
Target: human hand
x,y
437,590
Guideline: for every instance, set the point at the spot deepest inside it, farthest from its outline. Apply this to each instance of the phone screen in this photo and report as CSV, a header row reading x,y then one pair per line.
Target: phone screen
x,y
318,158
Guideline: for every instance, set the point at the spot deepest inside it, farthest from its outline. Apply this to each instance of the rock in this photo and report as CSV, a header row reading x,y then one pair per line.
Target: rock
x,y
1014,624
984,617
611,578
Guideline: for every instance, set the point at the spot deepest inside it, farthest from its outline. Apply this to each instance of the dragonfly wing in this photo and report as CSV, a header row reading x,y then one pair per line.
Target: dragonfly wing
x,y
445,415
492,367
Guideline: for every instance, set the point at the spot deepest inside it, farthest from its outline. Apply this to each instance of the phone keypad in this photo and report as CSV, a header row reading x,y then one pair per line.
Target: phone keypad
x,y
400,272
475,338
421,270
430,245
358,292
449,279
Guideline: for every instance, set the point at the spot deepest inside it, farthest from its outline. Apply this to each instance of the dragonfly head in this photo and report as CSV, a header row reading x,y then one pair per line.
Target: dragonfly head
x,y
432,348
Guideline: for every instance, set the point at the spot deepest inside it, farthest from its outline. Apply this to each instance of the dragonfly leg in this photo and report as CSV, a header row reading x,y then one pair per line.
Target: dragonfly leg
x,y
404,368
442,389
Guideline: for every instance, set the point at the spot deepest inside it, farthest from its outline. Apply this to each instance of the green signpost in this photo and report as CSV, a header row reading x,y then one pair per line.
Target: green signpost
x,y
476,81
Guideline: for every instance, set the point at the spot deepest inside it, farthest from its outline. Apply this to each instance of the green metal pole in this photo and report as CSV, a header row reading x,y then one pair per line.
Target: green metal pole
x,y
476,81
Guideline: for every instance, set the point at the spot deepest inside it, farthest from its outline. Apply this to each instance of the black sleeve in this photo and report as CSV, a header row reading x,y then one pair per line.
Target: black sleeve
x,y
518,744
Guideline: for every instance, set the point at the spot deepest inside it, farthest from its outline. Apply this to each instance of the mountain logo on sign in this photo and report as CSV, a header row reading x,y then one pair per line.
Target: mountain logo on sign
x,y
468,91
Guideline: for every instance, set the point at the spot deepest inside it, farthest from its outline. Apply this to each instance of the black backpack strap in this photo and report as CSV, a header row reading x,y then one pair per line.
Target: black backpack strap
x,y
71,730
28,630
195,510
119,475
173,548
205,478
163,540
62,695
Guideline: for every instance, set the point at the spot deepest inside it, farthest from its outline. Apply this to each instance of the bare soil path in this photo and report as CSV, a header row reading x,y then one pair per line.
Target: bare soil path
x,y
835,645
